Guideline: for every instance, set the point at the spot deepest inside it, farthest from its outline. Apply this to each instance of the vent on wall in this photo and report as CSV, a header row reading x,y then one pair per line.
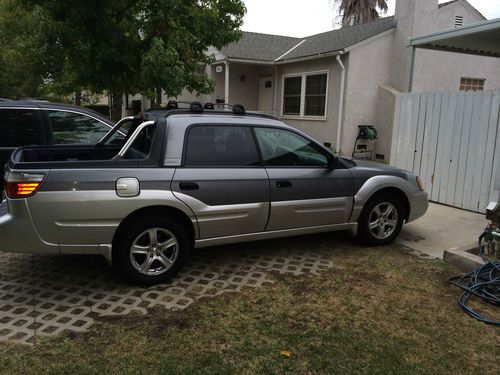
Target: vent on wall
x,y
459,21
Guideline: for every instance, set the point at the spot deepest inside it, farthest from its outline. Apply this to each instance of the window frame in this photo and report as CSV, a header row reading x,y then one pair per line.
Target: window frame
x,y
304,76
467,84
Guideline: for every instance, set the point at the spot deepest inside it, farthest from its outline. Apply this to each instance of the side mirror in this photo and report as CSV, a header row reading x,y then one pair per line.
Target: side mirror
x,y
332,161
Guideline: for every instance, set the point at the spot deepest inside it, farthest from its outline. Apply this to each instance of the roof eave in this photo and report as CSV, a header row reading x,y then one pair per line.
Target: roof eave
x,y
441,40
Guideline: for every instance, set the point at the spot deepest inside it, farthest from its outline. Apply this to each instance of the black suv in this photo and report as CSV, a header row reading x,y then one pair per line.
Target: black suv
x,y
32,122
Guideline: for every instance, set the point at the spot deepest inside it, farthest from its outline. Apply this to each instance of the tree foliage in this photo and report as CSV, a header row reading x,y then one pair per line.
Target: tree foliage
x,y
359,11
133,46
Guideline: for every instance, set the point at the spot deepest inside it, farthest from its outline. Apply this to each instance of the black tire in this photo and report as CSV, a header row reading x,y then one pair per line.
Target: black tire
x,y
376,236
137,233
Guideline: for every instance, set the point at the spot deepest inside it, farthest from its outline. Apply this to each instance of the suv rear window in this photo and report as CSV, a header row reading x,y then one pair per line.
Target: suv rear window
x,y
76,128
221,146
19,127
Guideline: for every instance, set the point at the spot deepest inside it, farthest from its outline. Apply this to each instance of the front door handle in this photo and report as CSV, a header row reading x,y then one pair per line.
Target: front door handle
x,y
283,184
188,185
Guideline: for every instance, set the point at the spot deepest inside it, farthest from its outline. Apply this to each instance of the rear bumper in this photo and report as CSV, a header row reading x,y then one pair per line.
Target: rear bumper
x,y
17,232
419,203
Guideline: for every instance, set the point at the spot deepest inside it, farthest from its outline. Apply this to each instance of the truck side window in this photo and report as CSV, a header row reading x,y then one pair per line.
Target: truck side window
x,y
19,127
75,128
221,146
282,148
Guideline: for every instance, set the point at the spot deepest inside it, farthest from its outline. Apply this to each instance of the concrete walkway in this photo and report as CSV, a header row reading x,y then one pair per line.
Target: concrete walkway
x,y
443,228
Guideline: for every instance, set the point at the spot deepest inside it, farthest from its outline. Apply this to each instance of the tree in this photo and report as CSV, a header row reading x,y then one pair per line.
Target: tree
x,y
24,59
131,46
359,11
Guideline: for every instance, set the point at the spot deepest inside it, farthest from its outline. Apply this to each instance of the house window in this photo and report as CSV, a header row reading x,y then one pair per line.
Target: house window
x,y
472,84
459,21
305,95
292,95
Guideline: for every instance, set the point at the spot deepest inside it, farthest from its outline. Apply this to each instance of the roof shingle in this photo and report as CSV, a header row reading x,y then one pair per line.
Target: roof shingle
x,y
266,47
336,40
263,47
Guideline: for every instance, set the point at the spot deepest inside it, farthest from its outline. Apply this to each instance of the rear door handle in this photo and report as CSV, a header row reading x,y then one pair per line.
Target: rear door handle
x,y
188,185
283,184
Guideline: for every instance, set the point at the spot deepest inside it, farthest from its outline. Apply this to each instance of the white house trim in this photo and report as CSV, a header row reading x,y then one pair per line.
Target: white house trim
x,y
303,75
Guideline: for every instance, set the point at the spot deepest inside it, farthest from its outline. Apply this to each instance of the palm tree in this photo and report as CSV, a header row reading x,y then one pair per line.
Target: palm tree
x,y
359,11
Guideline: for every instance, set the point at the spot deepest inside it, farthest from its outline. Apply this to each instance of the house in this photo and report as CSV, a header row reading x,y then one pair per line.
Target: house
x,y
328,84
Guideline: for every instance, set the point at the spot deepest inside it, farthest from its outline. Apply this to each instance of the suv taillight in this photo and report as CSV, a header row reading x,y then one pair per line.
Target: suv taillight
x,y
22,185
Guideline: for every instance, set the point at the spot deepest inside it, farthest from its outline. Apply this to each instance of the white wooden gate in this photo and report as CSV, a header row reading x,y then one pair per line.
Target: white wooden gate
x,y
452,141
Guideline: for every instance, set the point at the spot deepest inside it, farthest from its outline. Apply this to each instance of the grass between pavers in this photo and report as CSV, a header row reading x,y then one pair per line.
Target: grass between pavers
x,y
378,311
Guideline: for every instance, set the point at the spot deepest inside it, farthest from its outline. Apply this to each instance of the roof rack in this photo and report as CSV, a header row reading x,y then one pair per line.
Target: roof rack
x,y
172,108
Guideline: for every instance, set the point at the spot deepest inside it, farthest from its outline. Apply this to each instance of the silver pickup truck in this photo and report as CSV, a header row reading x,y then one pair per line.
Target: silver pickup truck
x,y
195,178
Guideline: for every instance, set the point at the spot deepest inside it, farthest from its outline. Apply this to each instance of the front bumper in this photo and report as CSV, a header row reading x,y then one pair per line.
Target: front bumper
x,y
17,232
419,203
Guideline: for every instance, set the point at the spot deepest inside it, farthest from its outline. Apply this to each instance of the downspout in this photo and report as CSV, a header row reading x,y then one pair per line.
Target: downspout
x,y
275,82
226,83
412,69
341,103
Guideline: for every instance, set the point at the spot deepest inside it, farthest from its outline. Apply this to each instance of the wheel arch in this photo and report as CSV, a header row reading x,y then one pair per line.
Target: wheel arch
x,y
155,210
382,185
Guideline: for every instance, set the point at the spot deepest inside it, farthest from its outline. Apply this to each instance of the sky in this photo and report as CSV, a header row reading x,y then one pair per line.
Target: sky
x,y
307,17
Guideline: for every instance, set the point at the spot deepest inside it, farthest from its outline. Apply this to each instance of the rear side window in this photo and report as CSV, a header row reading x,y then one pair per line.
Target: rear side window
x,y
221,146
19,127
77,128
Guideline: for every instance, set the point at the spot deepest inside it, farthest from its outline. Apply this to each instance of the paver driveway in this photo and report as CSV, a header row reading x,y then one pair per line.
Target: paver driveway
x,y
43,295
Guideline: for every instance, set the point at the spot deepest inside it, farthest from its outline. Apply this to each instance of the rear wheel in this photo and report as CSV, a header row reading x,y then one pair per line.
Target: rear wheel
x,y
381,220
152,250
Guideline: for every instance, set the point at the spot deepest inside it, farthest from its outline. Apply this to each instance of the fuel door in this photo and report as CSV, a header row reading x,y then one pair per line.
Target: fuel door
x,y
127,187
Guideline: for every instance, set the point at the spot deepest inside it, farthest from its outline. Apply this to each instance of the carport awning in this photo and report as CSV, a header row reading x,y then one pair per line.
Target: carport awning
x,y
482,38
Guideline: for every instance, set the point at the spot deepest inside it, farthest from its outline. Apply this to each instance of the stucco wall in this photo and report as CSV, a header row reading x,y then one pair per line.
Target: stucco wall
x,y
321,130
246,92
384,120
369,67
446,15
436,70
219,82
441,71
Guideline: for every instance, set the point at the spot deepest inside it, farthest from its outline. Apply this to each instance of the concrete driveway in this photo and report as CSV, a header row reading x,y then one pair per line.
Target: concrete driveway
x,y
443,228
44,295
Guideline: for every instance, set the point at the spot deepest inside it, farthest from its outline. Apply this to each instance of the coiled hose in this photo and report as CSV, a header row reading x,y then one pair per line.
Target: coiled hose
x,y
484,282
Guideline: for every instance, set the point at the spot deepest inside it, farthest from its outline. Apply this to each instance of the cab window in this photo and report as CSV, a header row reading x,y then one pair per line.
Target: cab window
x,y
221,146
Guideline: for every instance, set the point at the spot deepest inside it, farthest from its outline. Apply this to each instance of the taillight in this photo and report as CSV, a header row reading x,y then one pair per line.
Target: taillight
x,y
22,185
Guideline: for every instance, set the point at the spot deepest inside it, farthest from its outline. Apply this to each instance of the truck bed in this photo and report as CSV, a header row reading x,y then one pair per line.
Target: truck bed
x,y
78,156
47,157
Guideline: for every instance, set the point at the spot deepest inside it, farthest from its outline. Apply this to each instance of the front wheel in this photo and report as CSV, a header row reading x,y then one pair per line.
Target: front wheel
x,y
381,220
153,250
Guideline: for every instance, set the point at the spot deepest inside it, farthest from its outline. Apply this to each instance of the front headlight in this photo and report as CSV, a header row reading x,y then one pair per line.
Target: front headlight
x,y
420,184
